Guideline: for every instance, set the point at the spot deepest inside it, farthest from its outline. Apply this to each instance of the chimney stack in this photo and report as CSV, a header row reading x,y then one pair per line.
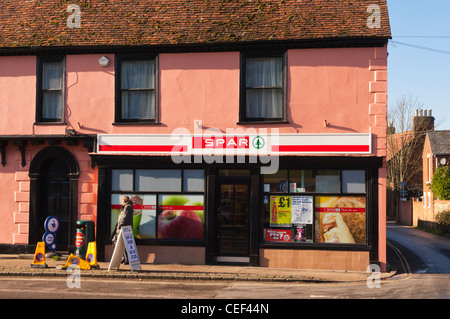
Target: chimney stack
x,y
423,121
391,128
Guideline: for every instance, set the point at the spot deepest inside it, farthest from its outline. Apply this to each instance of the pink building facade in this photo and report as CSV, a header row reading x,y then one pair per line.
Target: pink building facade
x,y
266,154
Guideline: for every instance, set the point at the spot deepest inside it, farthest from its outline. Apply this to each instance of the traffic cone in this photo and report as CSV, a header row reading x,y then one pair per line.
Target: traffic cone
x,y
76,262
91,255
39,256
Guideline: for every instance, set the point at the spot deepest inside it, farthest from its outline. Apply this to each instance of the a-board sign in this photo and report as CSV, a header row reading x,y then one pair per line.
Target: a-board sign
x,y
125,242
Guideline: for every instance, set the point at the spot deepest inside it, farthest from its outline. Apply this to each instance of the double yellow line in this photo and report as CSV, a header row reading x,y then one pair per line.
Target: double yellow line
x,y
401,257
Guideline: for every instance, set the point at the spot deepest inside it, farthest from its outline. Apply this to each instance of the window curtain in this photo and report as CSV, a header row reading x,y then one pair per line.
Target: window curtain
x,y
264,88
52,77
138,95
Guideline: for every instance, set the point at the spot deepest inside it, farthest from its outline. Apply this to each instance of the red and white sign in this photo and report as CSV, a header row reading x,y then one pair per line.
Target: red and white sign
x,y
278,235
323,144
80,239
235,144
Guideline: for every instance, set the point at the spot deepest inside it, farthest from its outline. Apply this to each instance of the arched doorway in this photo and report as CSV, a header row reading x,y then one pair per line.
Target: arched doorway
x,y
54,176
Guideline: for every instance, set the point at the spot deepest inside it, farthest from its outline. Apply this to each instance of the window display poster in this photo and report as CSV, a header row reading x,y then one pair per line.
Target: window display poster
x,y
280,211
144,215
302,209
180,216
299,232
279,235
341,219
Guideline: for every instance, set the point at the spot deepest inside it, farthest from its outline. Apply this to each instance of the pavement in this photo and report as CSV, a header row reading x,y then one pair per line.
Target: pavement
x,y
20,265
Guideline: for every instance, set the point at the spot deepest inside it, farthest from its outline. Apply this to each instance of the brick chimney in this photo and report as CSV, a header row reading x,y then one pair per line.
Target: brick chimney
x,y
423,121
391,128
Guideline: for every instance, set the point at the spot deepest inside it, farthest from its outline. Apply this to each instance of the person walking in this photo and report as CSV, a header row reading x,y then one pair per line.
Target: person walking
x,y
125,219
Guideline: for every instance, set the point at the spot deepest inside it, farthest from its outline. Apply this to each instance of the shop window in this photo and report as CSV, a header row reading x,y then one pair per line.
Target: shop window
x,y
341,219
234,172
289,219
168,203
354,181
136,88
50,88
301,181
152,180
180,217
327,181
318,206
193,180
144,216
122,180
263,88
276,183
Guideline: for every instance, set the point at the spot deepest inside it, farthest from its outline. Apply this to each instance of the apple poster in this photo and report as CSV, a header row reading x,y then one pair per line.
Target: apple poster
x,y
180,216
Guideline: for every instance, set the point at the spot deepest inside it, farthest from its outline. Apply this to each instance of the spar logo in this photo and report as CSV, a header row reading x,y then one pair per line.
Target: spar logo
x,y
258,142
220,142
80,239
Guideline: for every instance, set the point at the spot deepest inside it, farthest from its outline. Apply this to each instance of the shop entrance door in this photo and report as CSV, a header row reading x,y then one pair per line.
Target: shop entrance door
x,y
233,221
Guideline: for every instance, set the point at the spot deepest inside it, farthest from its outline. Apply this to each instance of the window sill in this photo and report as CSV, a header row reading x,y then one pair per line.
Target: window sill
x,y
136,123
261,122
49,123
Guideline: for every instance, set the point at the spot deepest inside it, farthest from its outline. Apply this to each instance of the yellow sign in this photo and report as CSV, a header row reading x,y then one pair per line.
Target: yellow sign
x,y
91,254
280,211
39,256
76,262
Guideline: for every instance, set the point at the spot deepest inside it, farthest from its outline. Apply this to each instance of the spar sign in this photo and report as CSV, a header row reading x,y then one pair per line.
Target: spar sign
x,y
254,143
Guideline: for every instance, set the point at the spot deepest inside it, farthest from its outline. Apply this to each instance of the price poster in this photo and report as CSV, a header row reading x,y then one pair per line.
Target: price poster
x,y
280,211
302,209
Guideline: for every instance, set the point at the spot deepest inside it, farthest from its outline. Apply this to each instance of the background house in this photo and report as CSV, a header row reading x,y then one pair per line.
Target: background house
x,y
404,162
436,153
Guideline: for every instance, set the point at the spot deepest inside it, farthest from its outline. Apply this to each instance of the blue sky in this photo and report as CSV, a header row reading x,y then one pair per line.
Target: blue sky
x,y
422,73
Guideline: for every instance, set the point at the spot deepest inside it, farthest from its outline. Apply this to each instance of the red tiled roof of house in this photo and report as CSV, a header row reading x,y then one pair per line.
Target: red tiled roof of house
x,y
43,23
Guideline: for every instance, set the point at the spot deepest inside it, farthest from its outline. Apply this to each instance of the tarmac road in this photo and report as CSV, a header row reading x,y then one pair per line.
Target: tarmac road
x,y
415,251
413,286
424,277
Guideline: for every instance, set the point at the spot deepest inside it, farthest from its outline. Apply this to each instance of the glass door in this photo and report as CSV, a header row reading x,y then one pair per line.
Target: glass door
x,y
233,222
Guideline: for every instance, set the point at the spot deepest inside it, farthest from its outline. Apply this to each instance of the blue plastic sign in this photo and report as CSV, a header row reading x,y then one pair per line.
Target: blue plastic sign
x,y
51,224
49,240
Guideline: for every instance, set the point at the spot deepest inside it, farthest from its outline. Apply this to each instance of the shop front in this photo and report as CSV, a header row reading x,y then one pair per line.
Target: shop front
x,y
270,200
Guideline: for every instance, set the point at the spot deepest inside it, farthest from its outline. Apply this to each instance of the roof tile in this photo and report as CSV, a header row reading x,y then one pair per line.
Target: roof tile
x,y
31,23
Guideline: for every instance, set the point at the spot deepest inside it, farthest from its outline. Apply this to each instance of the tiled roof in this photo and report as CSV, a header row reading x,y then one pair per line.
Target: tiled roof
x,y
439,142
43,23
